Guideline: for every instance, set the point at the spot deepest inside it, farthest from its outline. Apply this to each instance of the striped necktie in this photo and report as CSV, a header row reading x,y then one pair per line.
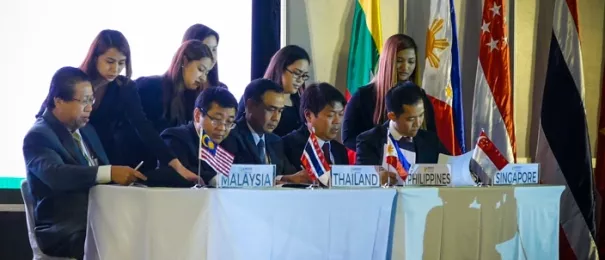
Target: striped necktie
x,y
76,136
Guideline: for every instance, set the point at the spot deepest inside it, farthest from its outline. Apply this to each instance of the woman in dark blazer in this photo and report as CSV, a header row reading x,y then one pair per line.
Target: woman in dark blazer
x,y
117,109
366,108
289,67
169,100
209,37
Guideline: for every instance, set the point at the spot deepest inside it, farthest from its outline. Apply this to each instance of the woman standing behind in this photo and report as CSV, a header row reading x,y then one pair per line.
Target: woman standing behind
x,y
289,67
209,37
168,100
366,108
117,107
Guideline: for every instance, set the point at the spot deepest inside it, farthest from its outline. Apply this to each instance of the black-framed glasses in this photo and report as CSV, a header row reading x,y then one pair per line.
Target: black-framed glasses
x,y
299,75
217,122
86,102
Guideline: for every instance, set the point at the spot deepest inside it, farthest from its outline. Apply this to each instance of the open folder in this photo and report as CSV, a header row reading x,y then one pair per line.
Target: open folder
x,y
460,168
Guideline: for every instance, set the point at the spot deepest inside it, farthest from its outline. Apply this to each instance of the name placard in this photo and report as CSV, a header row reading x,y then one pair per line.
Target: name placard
x,y
518,174
429,175
248,176
354,176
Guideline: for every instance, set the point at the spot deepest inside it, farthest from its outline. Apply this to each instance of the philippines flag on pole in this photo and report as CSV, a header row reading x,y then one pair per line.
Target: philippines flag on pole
x,y
314,161
215,156
493,102
441,78
488,157
564,150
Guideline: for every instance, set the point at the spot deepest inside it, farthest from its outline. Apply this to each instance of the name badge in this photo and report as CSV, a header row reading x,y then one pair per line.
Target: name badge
x,y
354,176
248,176
514,174
429,175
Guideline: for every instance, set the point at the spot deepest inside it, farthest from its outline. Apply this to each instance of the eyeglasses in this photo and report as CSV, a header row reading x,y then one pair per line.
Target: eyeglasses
x,y
217,122
86,102
299,75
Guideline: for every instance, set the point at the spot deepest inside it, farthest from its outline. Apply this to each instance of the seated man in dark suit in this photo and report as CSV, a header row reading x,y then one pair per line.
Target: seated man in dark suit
x,y
322,107
64,158
264,103
214,113
405,111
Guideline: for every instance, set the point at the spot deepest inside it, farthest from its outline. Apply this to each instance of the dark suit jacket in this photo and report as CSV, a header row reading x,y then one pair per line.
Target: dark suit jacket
x,y
295,142
290,117
370,146
124,129
247,149
184,141
359,115
59,178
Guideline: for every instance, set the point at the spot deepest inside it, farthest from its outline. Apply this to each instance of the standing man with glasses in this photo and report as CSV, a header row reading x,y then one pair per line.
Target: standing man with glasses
x,y
64,158
214,114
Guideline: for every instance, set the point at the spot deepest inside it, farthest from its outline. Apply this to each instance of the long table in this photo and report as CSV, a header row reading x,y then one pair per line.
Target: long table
x,y
140,223
504,222
405,223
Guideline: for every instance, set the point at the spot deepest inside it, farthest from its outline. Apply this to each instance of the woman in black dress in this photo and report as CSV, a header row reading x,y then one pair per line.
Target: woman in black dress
x,y
289,68
117,109
366,108
209,37
168,100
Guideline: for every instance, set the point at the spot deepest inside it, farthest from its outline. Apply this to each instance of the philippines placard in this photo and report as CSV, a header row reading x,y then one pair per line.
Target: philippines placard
x,y
248,176
516,174
429,175
354,176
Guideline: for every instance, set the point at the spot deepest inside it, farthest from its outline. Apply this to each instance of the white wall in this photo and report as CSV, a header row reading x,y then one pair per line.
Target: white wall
x,y
39,37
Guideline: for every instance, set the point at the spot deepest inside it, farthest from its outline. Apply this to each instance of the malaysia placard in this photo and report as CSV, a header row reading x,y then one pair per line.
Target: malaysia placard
x,y
248,176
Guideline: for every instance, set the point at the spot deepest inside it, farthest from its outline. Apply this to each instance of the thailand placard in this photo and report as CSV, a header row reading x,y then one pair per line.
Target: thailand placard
x,y
248,176
518,174
429,175
358,176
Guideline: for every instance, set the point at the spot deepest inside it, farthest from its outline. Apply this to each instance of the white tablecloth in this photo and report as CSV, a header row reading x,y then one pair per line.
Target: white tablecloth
x,y
149,223
477,223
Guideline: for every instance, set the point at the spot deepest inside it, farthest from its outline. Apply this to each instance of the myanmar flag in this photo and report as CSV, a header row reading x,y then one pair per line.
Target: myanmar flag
x,y
365,45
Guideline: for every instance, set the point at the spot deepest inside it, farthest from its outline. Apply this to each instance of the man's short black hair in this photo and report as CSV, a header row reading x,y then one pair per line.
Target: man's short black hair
x,y
219,95
404,93
317,96
63,84
258,87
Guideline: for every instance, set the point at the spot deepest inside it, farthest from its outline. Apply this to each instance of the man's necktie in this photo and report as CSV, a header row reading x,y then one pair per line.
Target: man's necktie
x,y
326,150
78,139
407,144
260,147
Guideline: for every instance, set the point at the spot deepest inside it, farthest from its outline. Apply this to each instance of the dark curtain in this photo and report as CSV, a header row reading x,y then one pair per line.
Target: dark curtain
x,y
265,34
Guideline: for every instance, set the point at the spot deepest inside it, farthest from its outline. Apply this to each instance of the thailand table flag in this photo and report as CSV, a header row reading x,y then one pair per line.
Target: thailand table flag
x,y
314,161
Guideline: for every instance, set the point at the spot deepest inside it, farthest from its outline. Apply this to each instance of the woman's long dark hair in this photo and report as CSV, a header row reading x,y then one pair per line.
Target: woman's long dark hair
x,y
200,32
104,41
173,87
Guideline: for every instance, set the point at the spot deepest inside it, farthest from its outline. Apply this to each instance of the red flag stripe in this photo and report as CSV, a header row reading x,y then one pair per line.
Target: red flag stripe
x,y
494,58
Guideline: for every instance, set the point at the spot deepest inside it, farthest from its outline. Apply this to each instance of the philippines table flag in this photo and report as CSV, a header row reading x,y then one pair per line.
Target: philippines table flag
x,y
493,102
563,149
393,159
215,156
314,161
441,77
